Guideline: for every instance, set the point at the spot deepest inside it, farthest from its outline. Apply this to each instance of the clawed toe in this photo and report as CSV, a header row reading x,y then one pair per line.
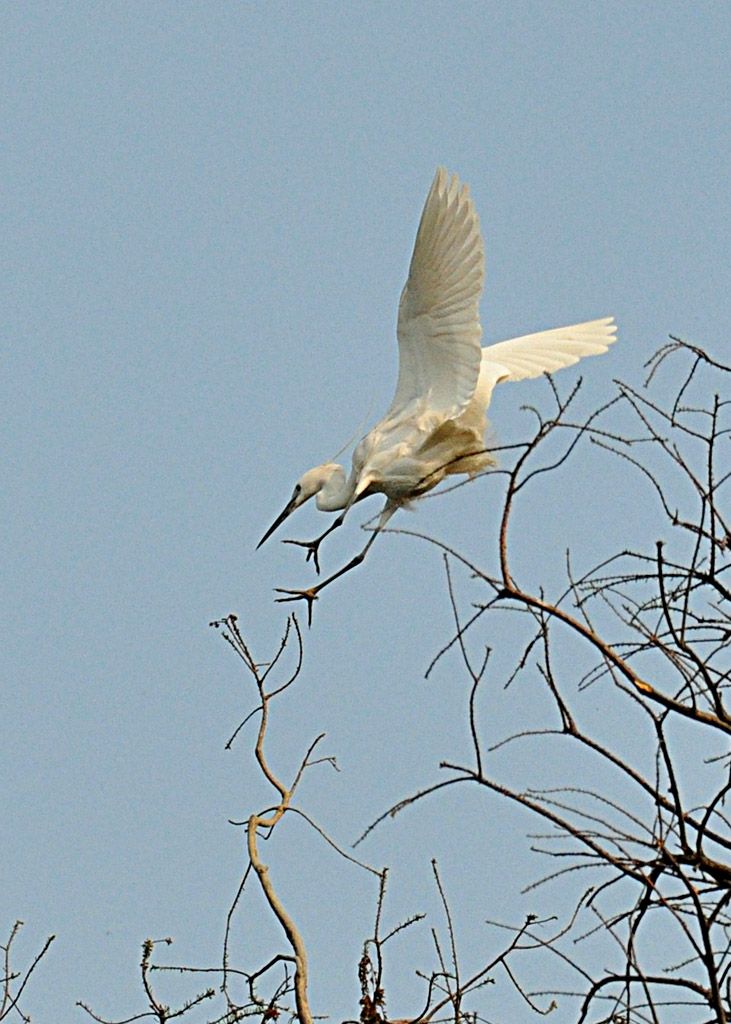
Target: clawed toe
x,y
311,547
310,596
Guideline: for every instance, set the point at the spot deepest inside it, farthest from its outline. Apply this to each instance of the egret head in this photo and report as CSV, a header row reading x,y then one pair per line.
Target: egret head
x,y
315,481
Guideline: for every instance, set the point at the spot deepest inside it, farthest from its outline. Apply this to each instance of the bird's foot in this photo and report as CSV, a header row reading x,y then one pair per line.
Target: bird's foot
x,y
311,546
309,595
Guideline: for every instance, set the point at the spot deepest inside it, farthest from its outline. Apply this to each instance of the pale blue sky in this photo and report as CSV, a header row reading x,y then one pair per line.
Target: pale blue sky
x,y
208,215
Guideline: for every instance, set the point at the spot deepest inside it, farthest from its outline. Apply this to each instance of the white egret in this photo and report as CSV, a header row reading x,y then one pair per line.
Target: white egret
x,y
436,423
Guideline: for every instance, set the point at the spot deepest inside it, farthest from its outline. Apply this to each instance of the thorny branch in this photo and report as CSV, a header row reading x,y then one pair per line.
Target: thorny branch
x,y
14,982
290,969
267,821
656,624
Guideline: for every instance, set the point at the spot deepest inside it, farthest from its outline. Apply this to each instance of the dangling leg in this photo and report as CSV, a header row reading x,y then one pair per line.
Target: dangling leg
x,y
311,595
313,545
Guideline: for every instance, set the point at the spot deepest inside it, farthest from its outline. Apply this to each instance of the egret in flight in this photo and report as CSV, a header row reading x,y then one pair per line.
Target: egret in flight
x,y
436,423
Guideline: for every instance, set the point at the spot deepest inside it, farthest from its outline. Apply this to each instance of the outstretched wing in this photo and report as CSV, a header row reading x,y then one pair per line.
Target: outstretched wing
x,y
534,354
438,320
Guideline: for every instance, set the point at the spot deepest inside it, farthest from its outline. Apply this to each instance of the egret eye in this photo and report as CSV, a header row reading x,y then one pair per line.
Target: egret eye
x,y
297,489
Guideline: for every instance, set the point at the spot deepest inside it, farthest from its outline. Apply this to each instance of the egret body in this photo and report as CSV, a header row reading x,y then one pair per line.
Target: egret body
x,y
436,423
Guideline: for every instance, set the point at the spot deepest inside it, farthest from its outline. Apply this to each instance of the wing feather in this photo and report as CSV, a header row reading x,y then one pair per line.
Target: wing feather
x,y
438,321
548,351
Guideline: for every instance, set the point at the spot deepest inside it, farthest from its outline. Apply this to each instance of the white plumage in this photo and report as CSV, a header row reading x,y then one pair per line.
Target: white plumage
x,y
436,423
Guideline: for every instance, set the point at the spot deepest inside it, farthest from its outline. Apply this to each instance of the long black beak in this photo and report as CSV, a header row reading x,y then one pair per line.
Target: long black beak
x,y
278,521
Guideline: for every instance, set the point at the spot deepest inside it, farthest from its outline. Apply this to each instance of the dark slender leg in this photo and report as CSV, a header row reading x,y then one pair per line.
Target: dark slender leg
x,y
312,593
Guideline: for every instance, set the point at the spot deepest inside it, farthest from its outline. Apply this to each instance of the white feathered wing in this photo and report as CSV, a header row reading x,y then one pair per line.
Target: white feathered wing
x,y
438,320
